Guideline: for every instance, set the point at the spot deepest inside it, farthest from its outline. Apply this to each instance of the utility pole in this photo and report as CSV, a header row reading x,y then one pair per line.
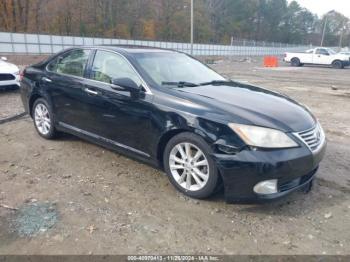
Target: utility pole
x,y
325,26
341,38
324,30
192,27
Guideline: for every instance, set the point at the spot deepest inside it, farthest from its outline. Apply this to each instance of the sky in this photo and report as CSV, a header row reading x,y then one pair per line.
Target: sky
x,y
320,7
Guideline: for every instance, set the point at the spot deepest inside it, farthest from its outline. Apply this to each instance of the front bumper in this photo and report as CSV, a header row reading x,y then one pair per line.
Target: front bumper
x,y
294,169
346,63
9,83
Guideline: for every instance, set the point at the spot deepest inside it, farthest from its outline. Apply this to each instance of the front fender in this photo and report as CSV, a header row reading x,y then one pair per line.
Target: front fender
x,y
214,133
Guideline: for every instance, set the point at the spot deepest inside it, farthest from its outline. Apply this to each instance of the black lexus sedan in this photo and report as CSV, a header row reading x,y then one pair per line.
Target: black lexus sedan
x,y
167,109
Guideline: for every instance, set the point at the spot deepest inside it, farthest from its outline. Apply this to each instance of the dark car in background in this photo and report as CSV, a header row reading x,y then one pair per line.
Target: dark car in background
x,y
170,110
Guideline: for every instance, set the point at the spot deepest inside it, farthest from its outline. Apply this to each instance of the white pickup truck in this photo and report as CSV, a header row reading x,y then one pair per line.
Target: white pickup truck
x,y
318,56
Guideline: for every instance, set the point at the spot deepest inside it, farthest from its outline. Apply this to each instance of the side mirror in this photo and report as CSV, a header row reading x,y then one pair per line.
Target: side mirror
x,y
59,59
125,84
3,58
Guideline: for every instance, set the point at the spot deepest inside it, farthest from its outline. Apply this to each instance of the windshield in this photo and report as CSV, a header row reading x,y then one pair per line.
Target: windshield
x,y
167,67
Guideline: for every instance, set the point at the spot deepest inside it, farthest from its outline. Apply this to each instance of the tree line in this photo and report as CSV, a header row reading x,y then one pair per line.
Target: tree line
x,y
216,21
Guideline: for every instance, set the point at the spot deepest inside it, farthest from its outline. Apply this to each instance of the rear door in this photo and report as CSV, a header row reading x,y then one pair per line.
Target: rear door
x,y
65,83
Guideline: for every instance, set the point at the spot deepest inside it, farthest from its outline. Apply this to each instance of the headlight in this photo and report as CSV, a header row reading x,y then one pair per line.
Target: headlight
x,y
263,137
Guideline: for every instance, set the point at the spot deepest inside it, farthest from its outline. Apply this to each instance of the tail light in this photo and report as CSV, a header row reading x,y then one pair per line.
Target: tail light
x,y
21,75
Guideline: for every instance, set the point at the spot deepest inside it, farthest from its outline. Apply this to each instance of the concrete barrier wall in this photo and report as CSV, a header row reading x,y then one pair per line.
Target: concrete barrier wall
x,y
17,43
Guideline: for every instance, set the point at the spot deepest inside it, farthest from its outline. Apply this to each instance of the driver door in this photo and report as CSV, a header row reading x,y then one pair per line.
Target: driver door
x,y
321,57
119,117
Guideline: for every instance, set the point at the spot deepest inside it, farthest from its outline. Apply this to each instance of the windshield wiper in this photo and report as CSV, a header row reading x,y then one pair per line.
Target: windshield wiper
x,y
189,84
215,83
180,84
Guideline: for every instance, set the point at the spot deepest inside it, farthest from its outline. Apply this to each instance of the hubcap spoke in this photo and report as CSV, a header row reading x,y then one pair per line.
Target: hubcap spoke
x,y
182,152
197,179
201,163
176,167
47,125
39,110
188,150
177,160
200,174
182,178
197,155
188,181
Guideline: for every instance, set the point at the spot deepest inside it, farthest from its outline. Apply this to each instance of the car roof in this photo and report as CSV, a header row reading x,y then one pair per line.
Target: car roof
x,y
132,49
127,50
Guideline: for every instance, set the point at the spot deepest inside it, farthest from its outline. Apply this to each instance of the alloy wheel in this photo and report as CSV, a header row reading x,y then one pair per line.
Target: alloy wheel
x,y
189,166
42,119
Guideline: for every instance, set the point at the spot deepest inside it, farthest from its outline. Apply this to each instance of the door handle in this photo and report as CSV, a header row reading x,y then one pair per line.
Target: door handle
x,y
45,79
91,92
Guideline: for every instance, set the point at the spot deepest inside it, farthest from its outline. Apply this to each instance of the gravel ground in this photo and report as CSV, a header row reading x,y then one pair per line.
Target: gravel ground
x,y
104,203
10,103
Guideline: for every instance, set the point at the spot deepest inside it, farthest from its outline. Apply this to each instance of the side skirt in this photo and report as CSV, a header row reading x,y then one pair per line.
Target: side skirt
x,y
107,143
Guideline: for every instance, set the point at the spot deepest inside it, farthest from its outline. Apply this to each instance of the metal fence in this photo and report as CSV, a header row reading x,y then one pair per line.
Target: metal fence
x,y
16,43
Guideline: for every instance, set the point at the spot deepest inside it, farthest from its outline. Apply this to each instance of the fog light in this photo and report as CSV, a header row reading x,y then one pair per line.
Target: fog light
x,y
266,187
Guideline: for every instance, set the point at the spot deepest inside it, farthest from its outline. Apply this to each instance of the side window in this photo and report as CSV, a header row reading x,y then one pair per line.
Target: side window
x,y
71,63
322,52
108,66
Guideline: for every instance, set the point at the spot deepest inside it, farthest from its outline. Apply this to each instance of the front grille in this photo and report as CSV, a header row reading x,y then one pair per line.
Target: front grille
x,y
313,138
6,77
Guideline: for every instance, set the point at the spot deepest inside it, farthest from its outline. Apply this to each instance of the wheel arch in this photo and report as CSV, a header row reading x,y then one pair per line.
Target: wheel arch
x,y
163,141
337,60
166,137
35,96
32,100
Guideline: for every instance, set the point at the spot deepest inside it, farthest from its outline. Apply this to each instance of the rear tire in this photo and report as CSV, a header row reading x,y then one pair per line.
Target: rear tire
x,y
190,167
43,119
295,62
338,64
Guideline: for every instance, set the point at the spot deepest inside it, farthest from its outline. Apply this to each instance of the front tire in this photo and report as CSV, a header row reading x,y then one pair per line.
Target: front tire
x,y
43,119
189,165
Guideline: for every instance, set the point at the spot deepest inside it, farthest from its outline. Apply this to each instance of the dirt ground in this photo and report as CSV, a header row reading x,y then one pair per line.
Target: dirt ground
x,y
71,197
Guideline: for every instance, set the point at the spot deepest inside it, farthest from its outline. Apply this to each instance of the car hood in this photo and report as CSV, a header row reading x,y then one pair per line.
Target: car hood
x,y
8,68
252,105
